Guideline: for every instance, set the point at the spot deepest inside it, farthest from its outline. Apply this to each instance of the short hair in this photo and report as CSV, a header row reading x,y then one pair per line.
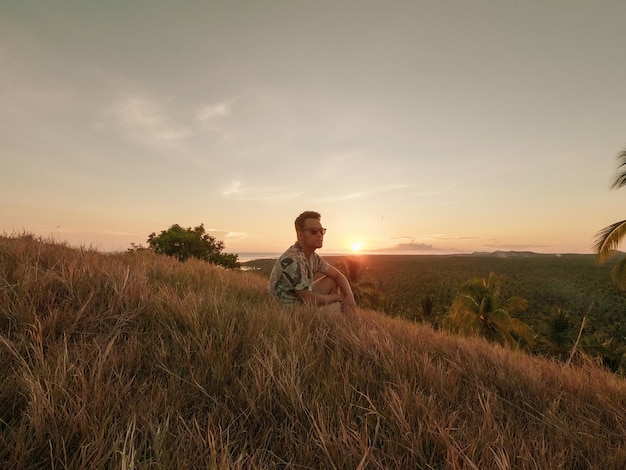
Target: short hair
x,y
306,215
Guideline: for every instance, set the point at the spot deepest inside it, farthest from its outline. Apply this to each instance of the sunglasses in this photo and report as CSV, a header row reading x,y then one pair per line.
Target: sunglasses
x,y
314,231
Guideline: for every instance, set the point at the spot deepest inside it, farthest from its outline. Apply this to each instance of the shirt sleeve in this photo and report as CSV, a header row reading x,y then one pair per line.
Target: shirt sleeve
x,y
294,274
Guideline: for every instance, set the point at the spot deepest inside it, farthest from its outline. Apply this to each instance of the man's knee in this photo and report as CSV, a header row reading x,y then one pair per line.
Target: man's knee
x,y
325,285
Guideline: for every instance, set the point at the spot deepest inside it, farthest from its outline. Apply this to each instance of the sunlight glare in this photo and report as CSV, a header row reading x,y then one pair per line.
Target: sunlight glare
x,y
356,247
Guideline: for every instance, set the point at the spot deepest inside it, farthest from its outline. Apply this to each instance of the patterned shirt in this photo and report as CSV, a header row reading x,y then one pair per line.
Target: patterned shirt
x,y
293,272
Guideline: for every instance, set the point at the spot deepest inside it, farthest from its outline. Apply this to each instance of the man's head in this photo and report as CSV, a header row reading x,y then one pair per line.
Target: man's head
x,y
309,230
301,219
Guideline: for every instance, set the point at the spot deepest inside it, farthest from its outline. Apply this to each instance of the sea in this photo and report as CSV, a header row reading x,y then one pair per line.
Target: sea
x,y
244,257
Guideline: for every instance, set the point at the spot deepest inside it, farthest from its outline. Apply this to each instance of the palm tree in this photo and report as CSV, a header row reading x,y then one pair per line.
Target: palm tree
x,y
610,237
366,294
427,311
558,333
608,350
480,309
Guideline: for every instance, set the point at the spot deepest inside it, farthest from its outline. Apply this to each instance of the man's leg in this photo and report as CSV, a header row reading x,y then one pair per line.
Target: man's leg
x,y
325,285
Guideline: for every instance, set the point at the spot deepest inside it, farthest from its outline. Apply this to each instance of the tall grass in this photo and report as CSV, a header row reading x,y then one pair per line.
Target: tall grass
x,y
139,361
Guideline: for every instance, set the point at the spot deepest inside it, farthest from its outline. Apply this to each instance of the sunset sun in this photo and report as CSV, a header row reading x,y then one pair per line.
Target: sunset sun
x,y
356,247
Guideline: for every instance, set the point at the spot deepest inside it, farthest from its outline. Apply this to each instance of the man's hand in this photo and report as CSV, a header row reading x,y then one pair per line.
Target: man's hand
x,y
349,304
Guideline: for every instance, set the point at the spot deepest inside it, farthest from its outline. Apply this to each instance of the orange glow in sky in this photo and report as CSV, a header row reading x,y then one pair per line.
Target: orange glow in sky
x,y
412,127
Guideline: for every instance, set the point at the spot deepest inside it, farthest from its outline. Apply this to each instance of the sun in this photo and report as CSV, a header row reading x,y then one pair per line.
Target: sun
x,y
356,247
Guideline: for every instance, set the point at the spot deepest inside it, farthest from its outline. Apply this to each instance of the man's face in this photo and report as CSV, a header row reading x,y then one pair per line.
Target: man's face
x,y
312,234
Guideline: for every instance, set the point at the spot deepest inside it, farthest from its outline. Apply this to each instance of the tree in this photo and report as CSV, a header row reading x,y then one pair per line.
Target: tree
x,y
608,239
427,310
185,243
557,333
366,294
480,309
607,350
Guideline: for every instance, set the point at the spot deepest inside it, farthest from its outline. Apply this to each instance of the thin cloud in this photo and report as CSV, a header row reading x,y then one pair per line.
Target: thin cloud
x,y
233,189
236,235
411,247
227,234
449,237
214,111
212,116
360,193
237,191
144,121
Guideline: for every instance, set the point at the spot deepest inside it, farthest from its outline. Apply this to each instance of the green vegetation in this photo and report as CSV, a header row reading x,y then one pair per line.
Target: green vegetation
x,y
185,243
609,238
480,309
558,290
367,293
135,360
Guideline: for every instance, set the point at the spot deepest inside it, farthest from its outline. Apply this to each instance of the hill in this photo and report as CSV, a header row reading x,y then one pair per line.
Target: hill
x,y
509,254
139,361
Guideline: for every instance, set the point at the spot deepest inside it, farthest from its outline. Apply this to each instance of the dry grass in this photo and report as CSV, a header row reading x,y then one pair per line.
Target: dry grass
x,y
138,361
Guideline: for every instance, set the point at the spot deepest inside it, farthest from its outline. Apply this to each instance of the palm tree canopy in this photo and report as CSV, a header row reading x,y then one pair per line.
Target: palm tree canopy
x,y
366,294
479,308
484,295
619,274
608,239
620,179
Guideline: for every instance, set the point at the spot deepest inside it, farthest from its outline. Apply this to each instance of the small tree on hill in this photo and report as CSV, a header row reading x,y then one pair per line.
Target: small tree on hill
x,y
185,243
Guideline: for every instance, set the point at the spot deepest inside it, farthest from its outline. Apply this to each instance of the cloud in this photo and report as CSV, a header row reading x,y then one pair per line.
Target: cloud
x,y
211,117
227,234
214,111
449,237
235,190
144,121
236,235
411,247
358,194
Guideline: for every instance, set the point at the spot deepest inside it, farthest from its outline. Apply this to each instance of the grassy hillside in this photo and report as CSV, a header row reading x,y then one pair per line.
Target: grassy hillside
x,y
138,361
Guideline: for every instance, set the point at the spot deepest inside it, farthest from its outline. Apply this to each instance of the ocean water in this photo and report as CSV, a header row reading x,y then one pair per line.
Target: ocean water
x,y
243,257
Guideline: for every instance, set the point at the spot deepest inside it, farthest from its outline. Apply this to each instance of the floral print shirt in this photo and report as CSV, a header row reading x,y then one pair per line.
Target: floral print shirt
x,y
293,272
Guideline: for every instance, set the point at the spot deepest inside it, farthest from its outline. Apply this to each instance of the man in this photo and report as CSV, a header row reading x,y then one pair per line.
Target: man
x,y
293,276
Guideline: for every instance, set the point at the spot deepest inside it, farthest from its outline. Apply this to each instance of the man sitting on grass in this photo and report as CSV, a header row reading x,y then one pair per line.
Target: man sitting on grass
x,y
293,276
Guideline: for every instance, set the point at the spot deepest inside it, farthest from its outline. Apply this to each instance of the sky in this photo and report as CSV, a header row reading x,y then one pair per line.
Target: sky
x,y
430,127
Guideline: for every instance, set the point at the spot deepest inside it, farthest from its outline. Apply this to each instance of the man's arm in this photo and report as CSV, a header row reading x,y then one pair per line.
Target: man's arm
x,y
314,298
333,287
347,297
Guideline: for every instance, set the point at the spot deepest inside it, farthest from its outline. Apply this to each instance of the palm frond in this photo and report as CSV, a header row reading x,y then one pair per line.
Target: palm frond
x,y
463,321
608,239
466,302
522,330
620,179
619,273
514,304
